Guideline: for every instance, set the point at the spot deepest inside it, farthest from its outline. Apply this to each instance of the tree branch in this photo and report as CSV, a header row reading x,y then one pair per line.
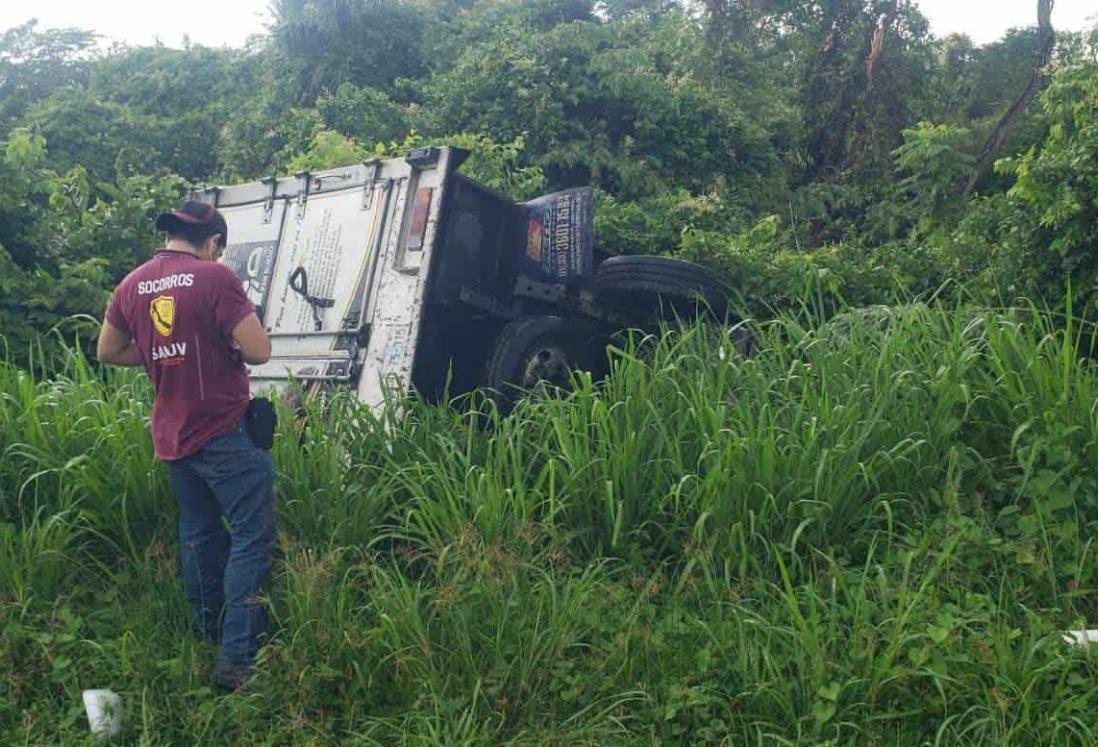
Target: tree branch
x,y
1046,45
876,45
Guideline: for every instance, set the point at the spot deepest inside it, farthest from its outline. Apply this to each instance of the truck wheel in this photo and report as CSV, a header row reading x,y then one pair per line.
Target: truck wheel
x,y
539,350
659,286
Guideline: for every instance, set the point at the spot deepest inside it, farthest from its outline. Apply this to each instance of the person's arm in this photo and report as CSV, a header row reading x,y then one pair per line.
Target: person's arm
x,y
251,338
116,347
236,318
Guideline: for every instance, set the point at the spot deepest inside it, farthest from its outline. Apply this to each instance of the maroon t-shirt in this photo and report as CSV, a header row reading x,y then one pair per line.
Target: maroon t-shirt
x,y
181,311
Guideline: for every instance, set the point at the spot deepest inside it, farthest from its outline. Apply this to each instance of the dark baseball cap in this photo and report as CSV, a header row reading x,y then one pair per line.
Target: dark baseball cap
x,y
194,215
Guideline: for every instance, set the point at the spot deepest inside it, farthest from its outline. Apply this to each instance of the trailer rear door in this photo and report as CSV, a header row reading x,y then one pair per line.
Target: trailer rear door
x,y
337,264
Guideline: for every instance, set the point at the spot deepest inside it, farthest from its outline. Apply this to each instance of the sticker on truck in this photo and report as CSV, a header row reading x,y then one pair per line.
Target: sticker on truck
x,y
559,235
254,263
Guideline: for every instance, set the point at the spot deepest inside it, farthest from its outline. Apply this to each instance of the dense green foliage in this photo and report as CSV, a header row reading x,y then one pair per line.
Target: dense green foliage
x,y
871,533
793,143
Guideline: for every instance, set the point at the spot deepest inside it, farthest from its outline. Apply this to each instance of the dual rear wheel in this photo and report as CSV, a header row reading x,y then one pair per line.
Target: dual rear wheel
x,y
542,351
643,287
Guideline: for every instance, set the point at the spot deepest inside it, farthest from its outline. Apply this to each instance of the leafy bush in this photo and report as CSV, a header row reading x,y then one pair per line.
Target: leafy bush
x,y
597,108
64,242
264,138
365,114
932,165
1058,181
499,165
770,272
1037,239
656,225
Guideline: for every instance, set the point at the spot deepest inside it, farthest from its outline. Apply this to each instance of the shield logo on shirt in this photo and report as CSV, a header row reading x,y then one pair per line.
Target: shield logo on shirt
x,y
162,311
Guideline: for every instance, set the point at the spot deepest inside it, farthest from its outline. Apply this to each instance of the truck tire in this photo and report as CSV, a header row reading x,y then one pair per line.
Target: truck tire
x,y
538,350
659,286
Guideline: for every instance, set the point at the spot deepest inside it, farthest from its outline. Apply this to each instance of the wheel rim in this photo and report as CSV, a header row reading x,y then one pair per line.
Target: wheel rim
x,y
547,364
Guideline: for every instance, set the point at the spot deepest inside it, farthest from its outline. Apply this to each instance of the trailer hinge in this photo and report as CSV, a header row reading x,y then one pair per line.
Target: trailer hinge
x,y
303,192
373,168
362,339
269,205
209,190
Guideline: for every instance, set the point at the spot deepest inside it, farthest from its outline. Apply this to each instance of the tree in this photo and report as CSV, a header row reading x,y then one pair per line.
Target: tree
x,y
1046,46
366,114
877,42
60,248
322,44
857,99
606,103
1057,181
261,139
102,136
34,64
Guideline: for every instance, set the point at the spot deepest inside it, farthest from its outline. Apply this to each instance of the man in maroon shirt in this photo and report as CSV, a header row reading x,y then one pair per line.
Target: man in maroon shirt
x,y
186,319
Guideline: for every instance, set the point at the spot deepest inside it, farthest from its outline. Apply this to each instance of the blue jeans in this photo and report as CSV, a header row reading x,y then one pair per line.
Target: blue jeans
x,y
225,570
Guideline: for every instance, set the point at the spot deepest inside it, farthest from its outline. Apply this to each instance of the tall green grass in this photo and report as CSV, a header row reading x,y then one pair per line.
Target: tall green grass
x,y
869,533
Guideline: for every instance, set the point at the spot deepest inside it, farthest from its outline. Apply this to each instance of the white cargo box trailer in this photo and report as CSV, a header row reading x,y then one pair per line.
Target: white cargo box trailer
x,y
401,273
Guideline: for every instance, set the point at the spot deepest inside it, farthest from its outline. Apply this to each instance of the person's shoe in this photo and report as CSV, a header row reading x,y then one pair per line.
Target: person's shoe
x,y
228,677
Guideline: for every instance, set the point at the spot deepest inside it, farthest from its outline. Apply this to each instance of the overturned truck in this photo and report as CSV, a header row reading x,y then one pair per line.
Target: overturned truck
x,y
404,273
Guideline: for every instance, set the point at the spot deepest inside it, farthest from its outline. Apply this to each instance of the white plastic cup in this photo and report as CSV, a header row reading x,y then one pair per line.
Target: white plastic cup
x,y
104,709
1082,638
